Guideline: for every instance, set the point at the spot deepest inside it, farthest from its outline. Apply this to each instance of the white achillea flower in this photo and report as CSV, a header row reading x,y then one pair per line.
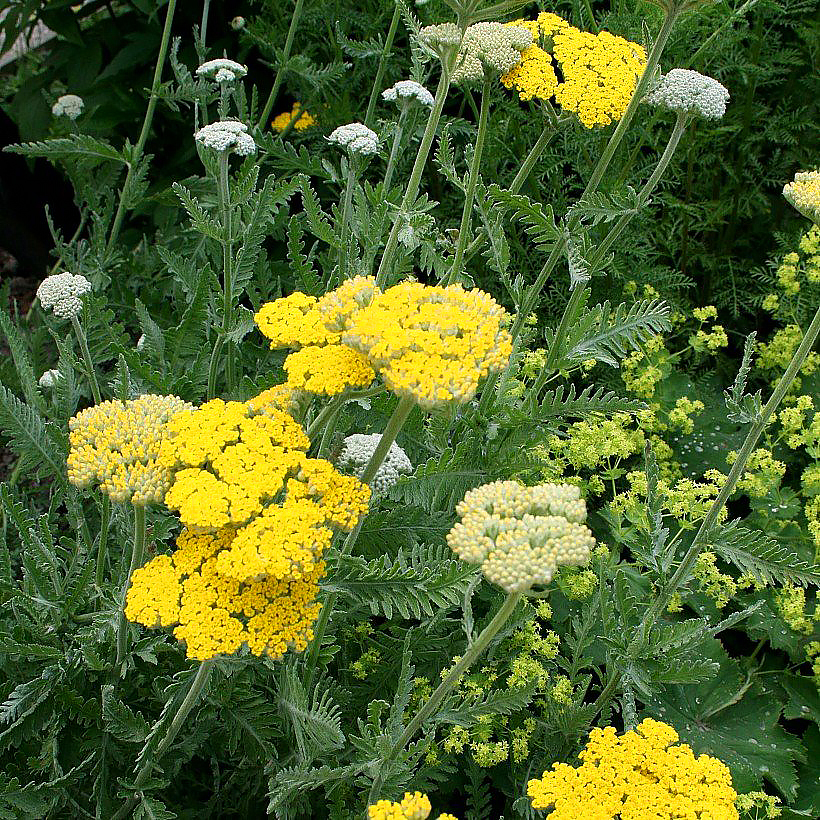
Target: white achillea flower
x,y
494,47
804,194
356,138
521,535
222,70
689,92
69,105
62,292
406,92
49,379
225,135
356,452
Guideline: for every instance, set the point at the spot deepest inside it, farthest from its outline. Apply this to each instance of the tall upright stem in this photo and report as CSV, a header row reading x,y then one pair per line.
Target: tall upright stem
x,y
191,698
89,364
473,652
203,26
136,154
102,544
137,557
469,194
377,80
348,202
394,150
277,80
415,175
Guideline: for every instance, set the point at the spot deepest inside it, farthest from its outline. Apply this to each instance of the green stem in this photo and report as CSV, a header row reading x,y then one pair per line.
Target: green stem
x,y
294,22
473,652
348,202
136,154
137,557
203,26
391,430
415,175
394,150
469,194
144,773
704,533
377,80
105,521
89,364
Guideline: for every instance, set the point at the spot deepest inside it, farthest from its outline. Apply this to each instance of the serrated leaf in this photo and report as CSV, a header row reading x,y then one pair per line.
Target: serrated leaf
x,y
120,720
76,146
538,220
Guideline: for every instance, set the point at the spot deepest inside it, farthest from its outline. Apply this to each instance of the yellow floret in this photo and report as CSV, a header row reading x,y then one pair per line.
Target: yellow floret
x,y
413,806
328,370
293,321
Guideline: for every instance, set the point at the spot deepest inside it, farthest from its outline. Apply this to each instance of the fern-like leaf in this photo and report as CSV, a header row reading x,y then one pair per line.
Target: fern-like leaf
x,y
538,220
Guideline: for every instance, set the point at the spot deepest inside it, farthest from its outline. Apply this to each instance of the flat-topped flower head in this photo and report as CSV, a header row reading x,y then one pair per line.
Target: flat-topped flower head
x,y
521,535
116,445
218,615
356,138
689,92
491,47
413,806
643,773
442,40
328,370
356,452
433,344
222,70
62,294
407,92
227,135
49,379
68,105
804,194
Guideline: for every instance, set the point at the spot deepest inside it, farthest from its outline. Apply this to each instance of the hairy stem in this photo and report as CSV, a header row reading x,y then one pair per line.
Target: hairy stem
x,y
377,80
102,544
197,685
348,202
89,364
137,556
277,80
136,154
470,656
469,194
394,150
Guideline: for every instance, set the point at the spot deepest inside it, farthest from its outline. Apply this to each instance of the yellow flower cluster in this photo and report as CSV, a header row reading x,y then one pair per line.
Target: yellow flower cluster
x,y
413,806
804,194
234,467
302,118
327,371
600,71
116,444
521,535
433,344
215,614
644,774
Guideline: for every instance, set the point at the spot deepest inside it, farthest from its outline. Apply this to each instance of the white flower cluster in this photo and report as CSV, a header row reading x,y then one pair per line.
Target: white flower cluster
x,y
356,452
689,92
494,47
69,105
62,292
406,92
225,135
521,535
222,70
49,379
442,39
804,194
356,138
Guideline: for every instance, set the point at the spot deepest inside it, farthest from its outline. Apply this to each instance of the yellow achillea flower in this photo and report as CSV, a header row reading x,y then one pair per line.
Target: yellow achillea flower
x,y
644,774
305,120
804,194
430,343
327,371
413,806
228,463
215,615
116,444
279,397
521,535
600,71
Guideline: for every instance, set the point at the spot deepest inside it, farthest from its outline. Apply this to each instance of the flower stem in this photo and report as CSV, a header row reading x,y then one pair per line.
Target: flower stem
x,y
415,175
136,154
473,652
377,80
348,202
89,364
197,685
394,150
223,187
105,521
277,80
137,556
469,194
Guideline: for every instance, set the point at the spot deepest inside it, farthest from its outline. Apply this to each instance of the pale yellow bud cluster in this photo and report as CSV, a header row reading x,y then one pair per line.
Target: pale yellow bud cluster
x,y
521,535
116,445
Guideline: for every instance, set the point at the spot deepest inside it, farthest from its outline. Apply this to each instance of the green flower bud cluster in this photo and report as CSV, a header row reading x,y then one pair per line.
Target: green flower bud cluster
x,y
492,47
521,535
442,40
